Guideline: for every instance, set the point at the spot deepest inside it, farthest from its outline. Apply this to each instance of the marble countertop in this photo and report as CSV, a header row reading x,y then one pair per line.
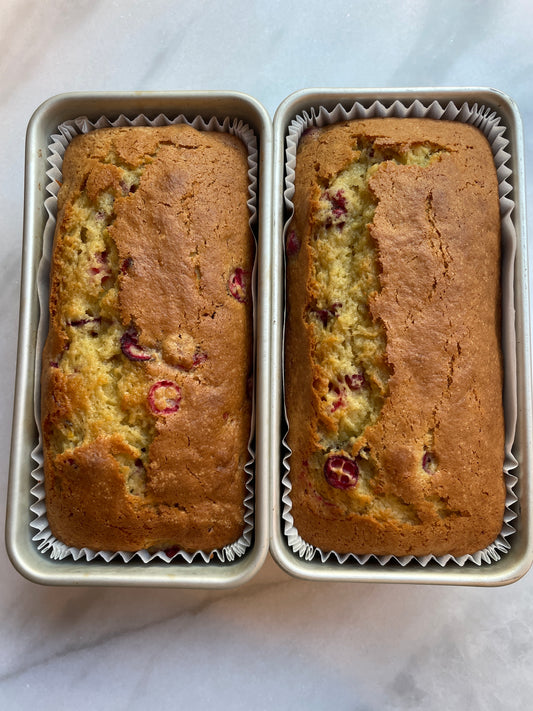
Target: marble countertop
x,y
275,642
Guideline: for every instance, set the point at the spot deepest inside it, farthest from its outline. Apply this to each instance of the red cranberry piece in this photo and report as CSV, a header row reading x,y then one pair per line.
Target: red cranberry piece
x,y
338,203
130,346
341,472
341,400
126,264
326,314
84,321
338,225
103,269
429,464
171,552
101,258
355,381
293,244
323,315
198,358
238,284
164,397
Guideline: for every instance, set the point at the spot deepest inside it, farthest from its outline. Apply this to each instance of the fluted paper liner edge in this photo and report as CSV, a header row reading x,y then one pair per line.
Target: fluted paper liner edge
x,y
46,542
490,124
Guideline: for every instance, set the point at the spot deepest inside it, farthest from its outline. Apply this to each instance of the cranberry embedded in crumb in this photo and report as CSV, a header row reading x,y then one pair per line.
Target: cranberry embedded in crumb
x,y
323,315
339,402
130,346
126,264
341,472
326,314
341,399
429,465
355,381
238,284
199,358
84,321
293,244
102,268
338,203
164,397
171,552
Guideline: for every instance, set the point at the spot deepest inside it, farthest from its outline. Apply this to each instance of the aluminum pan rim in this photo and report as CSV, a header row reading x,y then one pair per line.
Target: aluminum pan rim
x,y
22,552
517,562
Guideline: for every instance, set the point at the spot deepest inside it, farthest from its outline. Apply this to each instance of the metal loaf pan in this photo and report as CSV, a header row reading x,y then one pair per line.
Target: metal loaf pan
x,y
516,562
23,552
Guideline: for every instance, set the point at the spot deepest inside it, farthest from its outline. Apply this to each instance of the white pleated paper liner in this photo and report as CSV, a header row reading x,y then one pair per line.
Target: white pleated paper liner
x,y
490,124
45,540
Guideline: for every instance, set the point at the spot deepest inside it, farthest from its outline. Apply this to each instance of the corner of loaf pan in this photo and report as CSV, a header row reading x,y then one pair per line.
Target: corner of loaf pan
x,y
20,536
514,557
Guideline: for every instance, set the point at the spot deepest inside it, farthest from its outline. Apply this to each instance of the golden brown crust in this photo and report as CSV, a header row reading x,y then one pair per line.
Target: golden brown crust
x,y
152,226
434,454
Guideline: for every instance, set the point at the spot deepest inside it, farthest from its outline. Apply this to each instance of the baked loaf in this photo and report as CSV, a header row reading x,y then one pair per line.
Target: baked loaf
x,y
393,363
147,365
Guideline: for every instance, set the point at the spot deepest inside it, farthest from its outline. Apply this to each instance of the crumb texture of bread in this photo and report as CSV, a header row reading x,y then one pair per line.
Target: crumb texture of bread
x,y
147,366
393,367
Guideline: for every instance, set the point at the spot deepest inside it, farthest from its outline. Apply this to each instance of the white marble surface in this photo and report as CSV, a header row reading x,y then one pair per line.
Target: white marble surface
x,y
276,643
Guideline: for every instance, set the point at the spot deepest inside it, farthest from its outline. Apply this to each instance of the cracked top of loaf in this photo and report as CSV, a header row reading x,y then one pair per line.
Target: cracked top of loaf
x,y
147,365
393,361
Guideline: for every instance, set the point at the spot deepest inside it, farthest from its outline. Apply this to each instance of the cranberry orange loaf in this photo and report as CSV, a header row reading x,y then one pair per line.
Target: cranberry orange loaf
x,y
393,362
145,382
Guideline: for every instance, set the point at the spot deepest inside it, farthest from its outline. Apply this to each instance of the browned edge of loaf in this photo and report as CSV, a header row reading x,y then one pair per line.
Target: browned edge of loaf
x,y
179,237
437,234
